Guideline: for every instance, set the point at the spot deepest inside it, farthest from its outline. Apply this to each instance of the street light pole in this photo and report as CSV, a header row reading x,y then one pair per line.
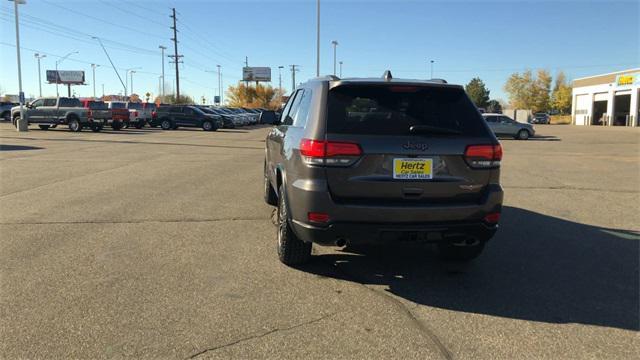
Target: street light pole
x,y
162,49
58,62
132,72
335,45
126,74
280,78
219,86
340,69
22,124
432,68
93,67
317,38
38,56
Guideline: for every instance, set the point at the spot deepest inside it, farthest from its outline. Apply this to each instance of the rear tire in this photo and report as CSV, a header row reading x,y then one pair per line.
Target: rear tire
x,y
74,125
139,125
458,251
523,135
116,126
207,126
96,128
43,127
165,124
291,250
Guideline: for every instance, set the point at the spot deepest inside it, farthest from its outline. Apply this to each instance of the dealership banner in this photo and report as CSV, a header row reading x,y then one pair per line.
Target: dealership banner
x,y
256,73
628,79
65,76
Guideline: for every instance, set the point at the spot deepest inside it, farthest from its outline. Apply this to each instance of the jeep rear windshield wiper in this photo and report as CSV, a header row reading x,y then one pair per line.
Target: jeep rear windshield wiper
x,y
427,129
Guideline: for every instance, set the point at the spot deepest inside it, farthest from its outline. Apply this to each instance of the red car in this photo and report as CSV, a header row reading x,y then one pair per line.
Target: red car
x,y
119,114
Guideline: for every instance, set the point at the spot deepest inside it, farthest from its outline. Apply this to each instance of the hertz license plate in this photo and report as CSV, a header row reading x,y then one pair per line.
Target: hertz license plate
x,y
412,168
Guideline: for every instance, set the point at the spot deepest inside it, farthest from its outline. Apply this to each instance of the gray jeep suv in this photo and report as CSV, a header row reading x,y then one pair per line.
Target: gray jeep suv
x,y
357,161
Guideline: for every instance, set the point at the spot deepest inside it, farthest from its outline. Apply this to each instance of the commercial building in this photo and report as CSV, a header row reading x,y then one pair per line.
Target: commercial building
x,y
607,99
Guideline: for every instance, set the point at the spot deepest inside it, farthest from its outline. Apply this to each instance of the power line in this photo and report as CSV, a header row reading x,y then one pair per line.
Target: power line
x,y
120,26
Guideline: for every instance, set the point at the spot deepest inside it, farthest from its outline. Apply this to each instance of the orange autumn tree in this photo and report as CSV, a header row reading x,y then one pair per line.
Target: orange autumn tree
x,y
257,96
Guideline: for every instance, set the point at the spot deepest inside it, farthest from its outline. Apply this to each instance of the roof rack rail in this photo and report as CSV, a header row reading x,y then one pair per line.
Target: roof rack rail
x,y
441,81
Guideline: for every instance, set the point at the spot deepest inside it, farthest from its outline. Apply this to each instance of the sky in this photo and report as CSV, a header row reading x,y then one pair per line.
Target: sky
x,y
465,39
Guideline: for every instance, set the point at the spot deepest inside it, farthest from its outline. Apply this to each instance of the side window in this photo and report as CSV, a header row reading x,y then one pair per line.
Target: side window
x,y
287,108
188,111
302,114
491,119
49,102
174,109
505,119
288,119
38,103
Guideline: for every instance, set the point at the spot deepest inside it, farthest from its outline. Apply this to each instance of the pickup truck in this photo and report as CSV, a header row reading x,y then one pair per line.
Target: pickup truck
x,y
119,114
51,112
98,110
137,115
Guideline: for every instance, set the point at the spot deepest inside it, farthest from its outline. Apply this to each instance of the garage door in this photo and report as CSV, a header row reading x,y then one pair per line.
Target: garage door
x,y
583,104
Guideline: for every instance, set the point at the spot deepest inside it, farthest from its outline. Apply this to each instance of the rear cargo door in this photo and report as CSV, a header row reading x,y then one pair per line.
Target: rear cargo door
x,y
413,140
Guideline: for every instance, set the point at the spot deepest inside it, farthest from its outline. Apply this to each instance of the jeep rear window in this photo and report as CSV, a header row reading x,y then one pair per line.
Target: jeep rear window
x,y
118,105
98,105
135,106
393,109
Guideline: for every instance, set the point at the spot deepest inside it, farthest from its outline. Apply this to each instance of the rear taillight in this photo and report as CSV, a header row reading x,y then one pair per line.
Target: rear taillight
x,y
135,113
318,217
483,156
323,152
154,114
492,218
90,113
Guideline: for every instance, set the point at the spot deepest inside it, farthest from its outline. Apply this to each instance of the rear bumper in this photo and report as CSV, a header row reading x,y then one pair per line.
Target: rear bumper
x,y
376,223
372,233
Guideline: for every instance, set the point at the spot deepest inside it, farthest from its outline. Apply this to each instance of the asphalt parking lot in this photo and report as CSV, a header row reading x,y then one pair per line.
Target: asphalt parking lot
x,y
150,243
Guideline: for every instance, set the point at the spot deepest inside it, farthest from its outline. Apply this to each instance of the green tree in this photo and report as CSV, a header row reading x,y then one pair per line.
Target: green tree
x,y
561,96
494,106
478,92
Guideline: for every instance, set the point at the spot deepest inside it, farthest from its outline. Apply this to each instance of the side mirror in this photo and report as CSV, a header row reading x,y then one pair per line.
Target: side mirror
x,y
278,119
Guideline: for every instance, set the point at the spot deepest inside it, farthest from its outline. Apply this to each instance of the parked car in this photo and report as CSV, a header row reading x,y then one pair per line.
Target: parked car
x,y
172,117
540,118
98,110
5,110
502,125
380,160
137,115
50,112
119,114
227,123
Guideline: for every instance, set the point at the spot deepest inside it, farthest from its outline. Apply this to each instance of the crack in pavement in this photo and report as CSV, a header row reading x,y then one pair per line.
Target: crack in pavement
x,y
258,336
141,221
446,354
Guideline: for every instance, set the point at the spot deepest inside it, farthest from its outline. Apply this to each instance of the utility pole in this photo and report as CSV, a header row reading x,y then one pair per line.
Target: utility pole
x,y
294,68
340,69
161,89
38,56
93,67
211,71
280,78
317,38
176,57
335,45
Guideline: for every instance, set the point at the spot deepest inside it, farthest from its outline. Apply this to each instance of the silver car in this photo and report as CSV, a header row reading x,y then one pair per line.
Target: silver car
x,y
502,125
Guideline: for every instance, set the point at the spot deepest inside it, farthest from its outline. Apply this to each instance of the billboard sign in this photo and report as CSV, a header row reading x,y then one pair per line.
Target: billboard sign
x,y
256,73
65,77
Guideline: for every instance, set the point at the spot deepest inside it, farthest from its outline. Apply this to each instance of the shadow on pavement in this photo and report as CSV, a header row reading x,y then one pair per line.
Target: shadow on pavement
x,y
537,268
5,147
